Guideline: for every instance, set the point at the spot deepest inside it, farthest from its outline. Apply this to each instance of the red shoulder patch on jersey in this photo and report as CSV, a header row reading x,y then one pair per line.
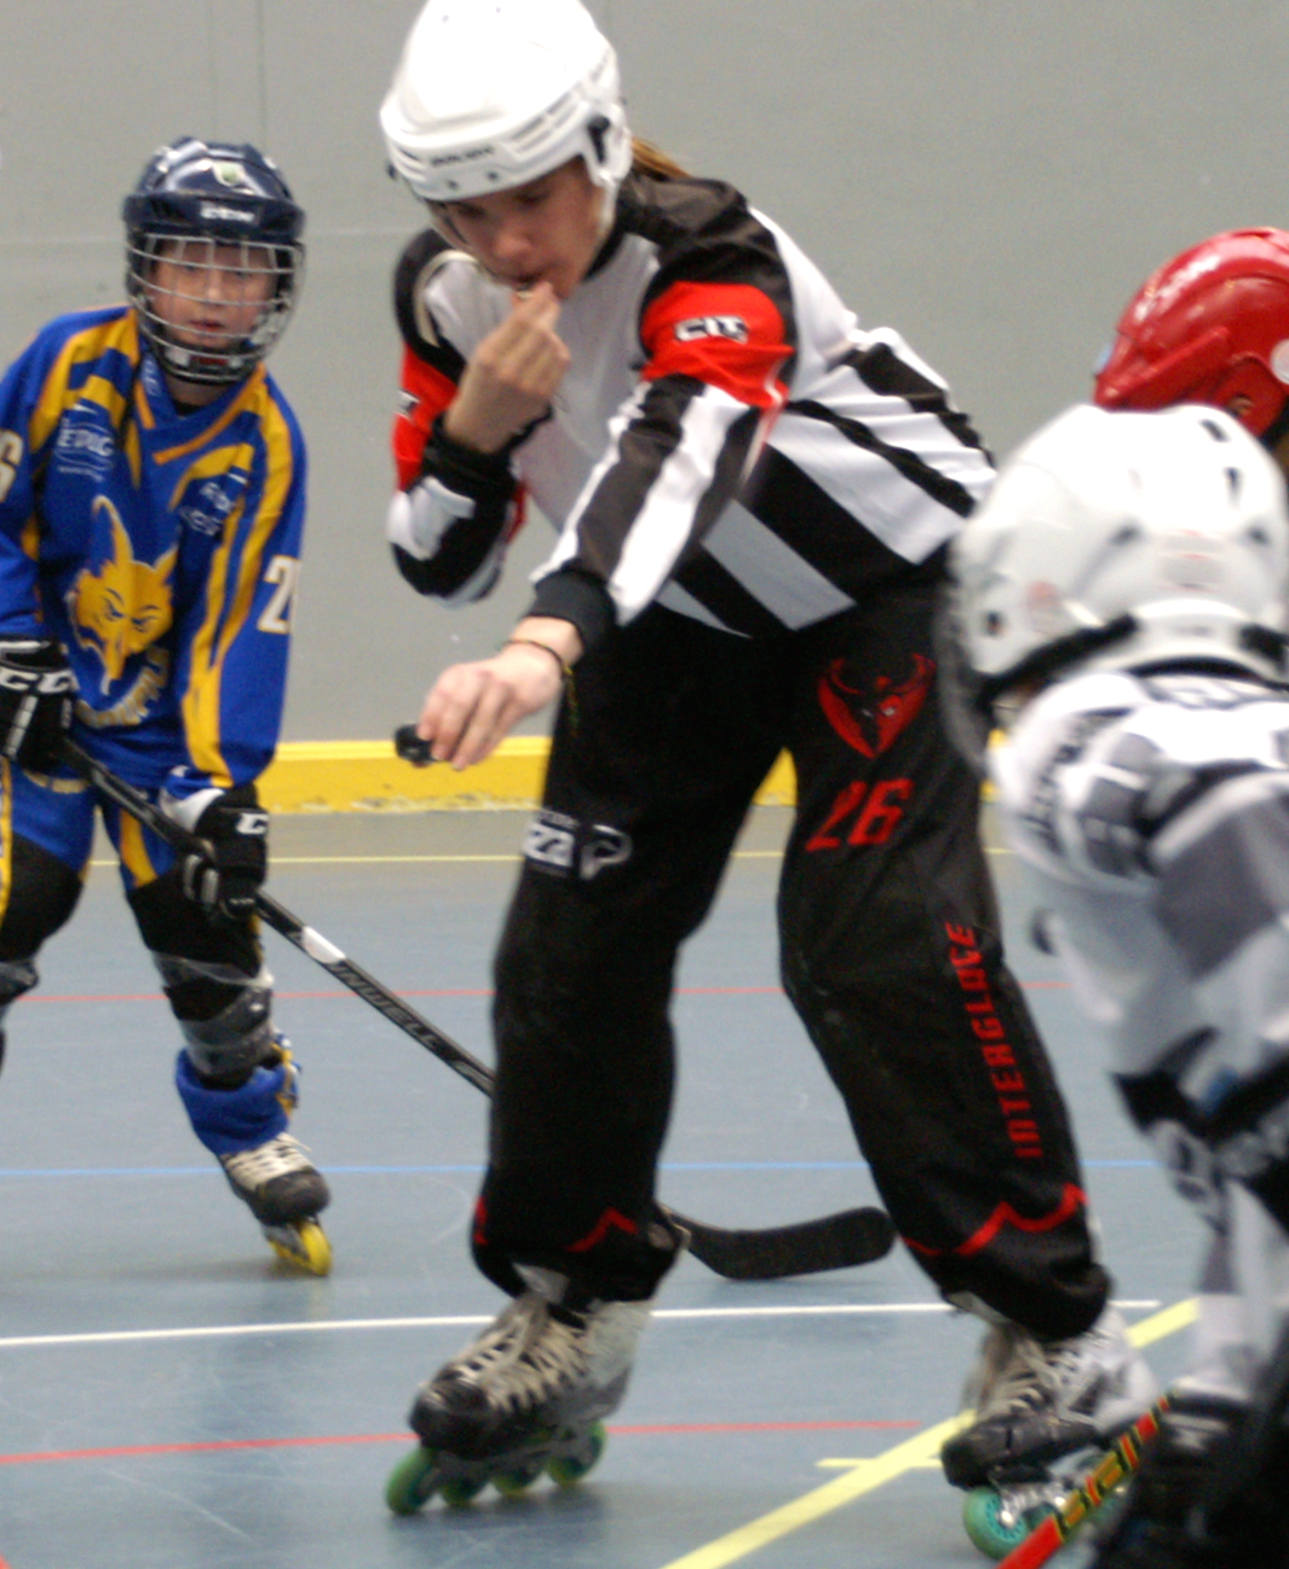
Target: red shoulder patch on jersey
x,y
423,395
729,335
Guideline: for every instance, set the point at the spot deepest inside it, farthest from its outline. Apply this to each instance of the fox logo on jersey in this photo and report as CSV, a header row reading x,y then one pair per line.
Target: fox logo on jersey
x,y
870,721
122,606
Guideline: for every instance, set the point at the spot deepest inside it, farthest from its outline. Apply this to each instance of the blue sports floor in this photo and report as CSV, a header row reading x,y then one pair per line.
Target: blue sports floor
x,y
172,1397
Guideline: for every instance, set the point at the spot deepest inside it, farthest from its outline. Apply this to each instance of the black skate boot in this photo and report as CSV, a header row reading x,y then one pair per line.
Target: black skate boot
x,y
527,1396
286,1193
1045,1409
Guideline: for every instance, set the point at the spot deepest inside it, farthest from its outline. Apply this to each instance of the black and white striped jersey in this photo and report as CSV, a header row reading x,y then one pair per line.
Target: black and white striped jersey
x,y
1152,817
728,440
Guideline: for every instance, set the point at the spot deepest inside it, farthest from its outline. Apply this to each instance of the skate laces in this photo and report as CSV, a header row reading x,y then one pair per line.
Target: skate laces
x,y
526,1355
282,1156
1039,1373
531,1354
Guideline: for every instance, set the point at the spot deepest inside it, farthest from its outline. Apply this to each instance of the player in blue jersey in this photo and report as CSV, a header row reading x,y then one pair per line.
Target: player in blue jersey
x,y
152,499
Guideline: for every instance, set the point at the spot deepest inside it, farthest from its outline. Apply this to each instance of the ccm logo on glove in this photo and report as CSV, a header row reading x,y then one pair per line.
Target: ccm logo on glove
x,y
37,689
226,869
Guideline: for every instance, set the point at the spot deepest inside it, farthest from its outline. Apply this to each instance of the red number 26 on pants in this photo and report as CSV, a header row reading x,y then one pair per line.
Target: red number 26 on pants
x,y
876,813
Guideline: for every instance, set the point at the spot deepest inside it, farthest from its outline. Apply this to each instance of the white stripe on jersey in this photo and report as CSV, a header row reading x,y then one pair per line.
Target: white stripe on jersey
x,y
664,520
904,518
788,586
662,526
896,460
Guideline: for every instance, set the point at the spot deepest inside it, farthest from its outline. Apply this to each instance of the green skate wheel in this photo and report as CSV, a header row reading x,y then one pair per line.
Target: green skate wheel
x,y
517,1479
461,1490
992,1529
566,1470
413,1481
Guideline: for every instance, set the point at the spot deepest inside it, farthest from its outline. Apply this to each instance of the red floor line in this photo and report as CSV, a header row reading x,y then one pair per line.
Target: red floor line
x,y
646,1430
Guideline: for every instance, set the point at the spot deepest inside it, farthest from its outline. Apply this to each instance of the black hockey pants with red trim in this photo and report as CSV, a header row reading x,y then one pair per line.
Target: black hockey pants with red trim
x,y
890,952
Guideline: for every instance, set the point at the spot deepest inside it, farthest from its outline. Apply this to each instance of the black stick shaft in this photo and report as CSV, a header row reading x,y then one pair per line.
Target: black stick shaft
x,y
309,941
854,1236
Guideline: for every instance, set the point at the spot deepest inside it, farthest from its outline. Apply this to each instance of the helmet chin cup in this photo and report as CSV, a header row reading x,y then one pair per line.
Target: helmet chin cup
x,y
492,94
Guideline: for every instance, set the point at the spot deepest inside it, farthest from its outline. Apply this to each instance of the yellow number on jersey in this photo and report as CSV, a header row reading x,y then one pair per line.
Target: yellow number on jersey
x,y
10,458
285,572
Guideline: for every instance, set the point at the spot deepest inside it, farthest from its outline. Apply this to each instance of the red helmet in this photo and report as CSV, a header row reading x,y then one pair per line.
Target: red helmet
x,y
1210,326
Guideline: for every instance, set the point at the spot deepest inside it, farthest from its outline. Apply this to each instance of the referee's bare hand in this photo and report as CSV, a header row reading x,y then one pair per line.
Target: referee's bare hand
x,y
512,376
473,707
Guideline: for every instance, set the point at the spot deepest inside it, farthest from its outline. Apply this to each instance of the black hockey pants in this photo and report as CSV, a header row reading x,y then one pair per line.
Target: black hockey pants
x,y
890,954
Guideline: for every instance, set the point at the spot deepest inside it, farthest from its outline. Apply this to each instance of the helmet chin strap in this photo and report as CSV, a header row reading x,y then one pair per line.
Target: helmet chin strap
x,y
608,211
439,218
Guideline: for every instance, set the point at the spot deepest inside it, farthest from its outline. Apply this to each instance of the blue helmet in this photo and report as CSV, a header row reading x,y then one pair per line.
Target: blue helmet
x,y
227,195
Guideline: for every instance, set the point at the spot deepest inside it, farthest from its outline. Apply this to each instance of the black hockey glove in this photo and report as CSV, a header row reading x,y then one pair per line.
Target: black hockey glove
x,y
225,877
37,699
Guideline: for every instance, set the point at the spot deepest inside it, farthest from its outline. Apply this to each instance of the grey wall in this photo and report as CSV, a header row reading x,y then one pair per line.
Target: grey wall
x,y
993,177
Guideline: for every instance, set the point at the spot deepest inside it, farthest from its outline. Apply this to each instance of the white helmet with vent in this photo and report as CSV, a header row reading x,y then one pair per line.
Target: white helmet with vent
x,y
490,94
1123,541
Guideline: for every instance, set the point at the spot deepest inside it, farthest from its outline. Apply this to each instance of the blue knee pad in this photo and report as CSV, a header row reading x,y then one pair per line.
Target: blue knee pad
x,y
227,1121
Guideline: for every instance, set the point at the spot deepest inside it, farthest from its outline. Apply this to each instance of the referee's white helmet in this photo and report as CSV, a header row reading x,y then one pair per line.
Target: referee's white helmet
x,y
490,94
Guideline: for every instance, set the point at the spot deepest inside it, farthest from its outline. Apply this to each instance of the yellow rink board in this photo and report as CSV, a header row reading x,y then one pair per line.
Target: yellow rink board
x,y
367,776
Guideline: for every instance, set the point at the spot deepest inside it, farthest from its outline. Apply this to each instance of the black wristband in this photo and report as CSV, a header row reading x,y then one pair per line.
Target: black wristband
x,y
464,468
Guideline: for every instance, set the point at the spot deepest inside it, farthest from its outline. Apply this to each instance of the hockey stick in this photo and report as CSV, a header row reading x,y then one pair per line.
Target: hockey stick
x,y
1109,1474
839,1241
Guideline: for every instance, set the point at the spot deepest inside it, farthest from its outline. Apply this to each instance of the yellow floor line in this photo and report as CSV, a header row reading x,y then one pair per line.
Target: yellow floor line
x,y
1168,1321
470,859
863,1476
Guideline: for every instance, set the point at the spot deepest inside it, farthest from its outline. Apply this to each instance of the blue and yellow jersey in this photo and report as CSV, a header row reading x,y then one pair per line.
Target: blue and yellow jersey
x,y
161,549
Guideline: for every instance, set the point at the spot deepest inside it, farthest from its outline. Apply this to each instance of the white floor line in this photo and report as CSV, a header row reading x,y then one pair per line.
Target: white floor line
x,y
467,1321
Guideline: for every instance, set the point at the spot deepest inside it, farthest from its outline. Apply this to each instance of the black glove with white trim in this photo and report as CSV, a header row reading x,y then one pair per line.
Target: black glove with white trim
x,y
37,701
233,862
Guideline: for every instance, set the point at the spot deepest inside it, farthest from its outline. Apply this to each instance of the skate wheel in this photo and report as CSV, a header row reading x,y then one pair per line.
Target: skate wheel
x,y
568,1469
461,1490
994,1529
304,1244
412,1482
517,1479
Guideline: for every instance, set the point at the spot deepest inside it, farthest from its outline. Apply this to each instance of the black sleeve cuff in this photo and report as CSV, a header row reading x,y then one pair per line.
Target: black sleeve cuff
x,y
464,470
579,598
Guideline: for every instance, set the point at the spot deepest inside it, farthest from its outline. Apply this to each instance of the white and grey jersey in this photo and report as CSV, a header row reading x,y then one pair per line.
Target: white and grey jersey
x,y
1152,813
728,440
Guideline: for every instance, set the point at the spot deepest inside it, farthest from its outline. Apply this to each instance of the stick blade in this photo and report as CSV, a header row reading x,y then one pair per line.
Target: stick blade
x,y
840,1241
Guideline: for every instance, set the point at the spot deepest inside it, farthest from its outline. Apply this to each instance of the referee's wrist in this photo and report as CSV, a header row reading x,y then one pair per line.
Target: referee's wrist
x,y
553,632
565,669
